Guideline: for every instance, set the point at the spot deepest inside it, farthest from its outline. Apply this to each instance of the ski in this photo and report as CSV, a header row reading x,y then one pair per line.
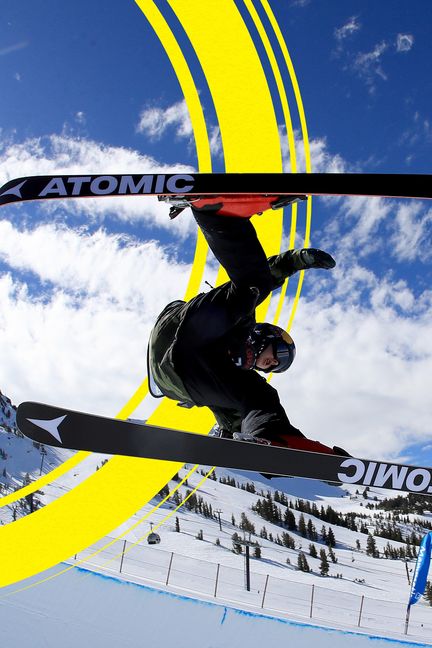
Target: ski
x,y
80,431
48,187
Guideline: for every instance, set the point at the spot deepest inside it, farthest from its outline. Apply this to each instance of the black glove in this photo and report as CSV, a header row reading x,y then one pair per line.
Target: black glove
x,y
313,258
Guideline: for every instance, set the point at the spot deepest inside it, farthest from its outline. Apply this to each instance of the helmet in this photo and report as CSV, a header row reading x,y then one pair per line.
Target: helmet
x,y
283,345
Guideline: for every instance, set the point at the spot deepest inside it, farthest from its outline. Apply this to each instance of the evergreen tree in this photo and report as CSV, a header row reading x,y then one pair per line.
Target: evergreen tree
x,y
246,525
200,535
312,551
324,564
428,593
302,563
302,526
237,548
288,541
290,521
371,548
164,492
324,534
311,531
332,555
331,540
257,551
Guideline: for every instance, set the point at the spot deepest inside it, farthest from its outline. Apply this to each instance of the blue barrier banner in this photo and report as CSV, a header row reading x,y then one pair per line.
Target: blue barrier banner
x,y
421,571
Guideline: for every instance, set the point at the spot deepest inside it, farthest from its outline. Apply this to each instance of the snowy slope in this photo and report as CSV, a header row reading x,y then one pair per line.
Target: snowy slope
x,y
21,460
358,573
354,574
88,610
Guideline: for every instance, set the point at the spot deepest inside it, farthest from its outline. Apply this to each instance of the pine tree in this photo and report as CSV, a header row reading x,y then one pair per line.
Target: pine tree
x,y
200,535
302,526
302,563
257,552
324,534
246,525
331,540
312,551
290,521
311,531
371,548
237,548
428,593
288,541
324,565
331,554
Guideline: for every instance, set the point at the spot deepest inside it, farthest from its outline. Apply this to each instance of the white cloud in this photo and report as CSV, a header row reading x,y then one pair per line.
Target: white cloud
x,y
322,160
300,3
361,376
404,42
368,64
16,47
82,342
411,236
112,267
60,154
350,27
154,122
157,122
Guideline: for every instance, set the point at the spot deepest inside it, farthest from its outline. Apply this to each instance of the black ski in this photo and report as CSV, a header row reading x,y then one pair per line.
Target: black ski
x,y
65,428
202,184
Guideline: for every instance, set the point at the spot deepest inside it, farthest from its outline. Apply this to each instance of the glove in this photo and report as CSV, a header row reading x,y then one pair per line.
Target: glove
x,y
313,258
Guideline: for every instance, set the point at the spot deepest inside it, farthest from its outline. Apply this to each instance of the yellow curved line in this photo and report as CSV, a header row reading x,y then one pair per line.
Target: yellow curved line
x,y
167,409
80,517
147,515
46,479
112,542
304,130
204,156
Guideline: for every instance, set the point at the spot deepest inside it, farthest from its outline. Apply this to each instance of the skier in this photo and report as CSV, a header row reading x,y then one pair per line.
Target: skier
x,y
207,352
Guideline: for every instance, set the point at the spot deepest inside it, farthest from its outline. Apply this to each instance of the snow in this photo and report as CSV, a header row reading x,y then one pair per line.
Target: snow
x,y
81,608
378,588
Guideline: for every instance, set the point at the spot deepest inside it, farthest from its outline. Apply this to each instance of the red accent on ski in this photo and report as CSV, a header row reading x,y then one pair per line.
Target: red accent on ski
x,y
243,206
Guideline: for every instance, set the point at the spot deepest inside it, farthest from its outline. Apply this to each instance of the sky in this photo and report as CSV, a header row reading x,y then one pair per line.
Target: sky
x,y
91,90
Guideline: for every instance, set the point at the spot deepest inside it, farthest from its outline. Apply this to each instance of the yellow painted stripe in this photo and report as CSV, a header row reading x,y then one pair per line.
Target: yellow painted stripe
x,y
115,492
58,472
302,116
108,544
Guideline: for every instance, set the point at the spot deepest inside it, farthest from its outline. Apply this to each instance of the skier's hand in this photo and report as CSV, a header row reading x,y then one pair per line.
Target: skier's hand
x,y
313,258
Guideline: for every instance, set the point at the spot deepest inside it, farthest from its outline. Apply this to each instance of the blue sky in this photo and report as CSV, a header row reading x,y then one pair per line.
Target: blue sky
x,y
89,87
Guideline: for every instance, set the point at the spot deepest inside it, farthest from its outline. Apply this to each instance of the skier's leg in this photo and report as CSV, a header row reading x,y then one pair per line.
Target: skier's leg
x,y
235,245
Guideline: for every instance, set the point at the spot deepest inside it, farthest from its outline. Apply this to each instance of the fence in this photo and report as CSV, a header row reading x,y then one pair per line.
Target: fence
x,y
268,593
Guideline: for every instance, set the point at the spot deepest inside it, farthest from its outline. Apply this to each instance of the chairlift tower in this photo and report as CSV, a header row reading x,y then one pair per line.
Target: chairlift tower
x,y
247,544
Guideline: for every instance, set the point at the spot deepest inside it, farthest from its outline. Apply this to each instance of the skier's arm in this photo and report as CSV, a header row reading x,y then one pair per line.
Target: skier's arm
x,y
263,414
288,263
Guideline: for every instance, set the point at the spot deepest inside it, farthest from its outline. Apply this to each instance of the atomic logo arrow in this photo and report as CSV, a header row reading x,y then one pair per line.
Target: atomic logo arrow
x,y
14,191
50,426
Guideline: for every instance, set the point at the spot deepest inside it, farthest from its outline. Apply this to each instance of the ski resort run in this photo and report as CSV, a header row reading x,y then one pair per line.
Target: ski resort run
x,y
318,553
